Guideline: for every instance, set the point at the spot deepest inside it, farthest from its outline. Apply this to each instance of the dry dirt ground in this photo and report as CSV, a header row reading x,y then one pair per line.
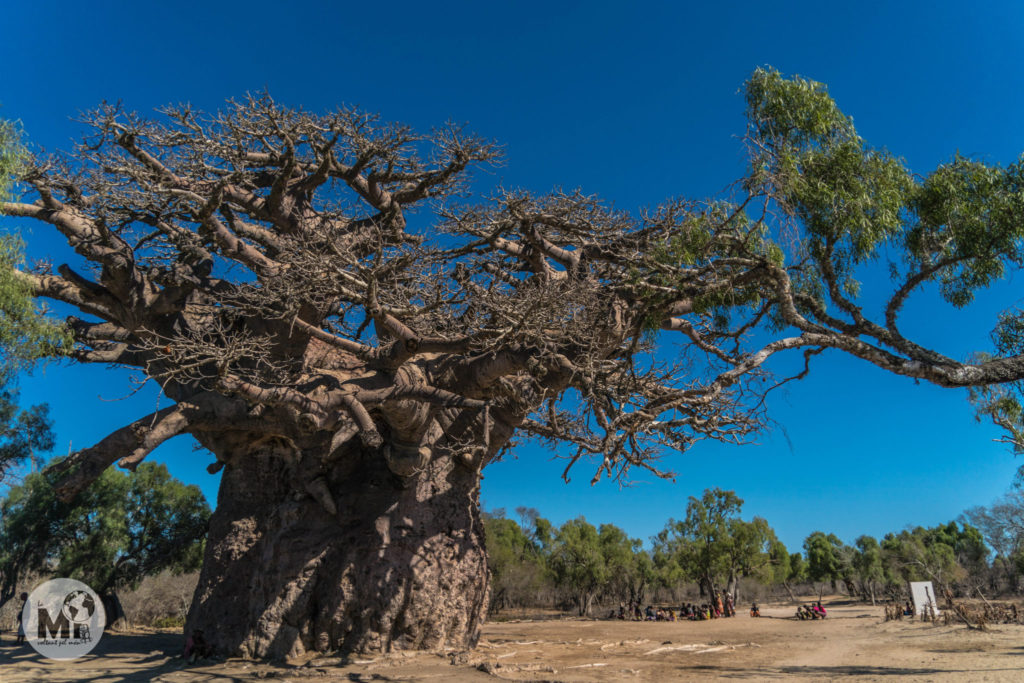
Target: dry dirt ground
x,y
853,643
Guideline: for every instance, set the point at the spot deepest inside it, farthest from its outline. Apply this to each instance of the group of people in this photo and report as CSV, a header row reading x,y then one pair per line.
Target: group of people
x,y
893,610
715,610
811,611
719,608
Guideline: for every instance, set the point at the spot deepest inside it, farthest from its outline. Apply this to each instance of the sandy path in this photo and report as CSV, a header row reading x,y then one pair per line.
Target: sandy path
x,y
853,643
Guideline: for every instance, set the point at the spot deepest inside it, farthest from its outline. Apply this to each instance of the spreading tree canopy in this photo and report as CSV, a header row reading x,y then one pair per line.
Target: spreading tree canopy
x,y
25,433
715,547
354,338
111,536
26,334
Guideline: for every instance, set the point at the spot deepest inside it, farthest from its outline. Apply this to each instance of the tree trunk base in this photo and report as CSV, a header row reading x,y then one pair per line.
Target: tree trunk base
x,y
117,620
400,565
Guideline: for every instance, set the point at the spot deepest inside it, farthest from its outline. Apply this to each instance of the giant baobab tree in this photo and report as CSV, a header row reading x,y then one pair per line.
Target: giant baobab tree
x,y
354,337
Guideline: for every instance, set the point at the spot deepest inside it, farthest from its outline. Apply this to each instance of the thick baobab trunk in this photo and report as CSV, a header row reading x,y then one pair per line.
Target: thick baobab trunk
x,y
399,565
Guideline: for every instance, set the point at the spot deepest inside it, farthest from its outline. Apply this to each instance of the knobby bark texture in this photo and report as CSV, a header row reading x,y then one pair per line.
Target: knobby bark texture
x,y
399,564
354,339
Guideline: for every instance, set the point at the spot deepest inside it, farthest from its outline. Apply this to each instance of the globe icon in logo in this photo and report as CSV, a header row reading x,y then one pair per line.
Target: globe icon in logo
x,y
78,607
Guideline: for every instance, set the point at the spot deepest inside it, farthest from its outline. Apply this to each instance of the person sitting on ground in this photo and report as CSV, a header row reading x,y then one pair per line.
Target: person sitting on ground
x,y
908,611
196,647
802,614
755,611
821,610
649,613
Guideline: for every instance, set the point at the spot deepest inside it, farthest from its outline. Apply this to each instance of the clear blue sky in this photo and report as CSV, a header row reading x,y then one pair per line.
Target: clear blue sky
x,y
635,103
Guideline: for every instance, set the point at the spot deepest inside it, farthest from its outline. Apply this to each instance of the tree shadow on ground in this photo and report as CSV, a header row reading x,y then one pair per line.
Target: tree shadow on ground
x,y
831,672
116,657
140,657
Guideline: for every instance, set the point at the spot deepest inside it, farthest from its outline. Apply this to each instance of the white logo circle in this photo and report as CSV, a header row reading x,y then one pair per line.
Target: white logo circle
x,y
63,619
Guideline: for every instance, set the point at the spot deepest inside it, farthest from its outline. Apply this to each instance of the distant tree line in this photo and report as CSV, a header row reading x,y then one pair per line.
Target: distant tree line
x,y
592,570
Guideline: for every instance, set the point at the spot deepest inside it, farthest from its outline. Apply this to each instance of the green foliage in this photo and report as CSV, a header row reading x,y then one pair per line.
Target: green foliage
x,y
868,566
24,434
119,530
516,563
701,235
630,569
779,568
577,561
26,333
944,553
796,112
962,225
713,546
828,559
797,568
969,215
13,156
806,154
701,537
170,622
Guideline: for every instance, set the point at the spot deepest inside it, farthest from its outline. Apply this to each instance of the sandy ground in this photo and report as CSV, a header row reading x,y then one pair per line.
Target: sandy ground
x,y
853,643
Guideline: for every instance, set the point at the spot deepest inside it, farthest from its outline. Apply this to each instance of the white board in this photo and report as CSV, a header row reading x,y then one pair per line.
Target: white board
x,y
923,594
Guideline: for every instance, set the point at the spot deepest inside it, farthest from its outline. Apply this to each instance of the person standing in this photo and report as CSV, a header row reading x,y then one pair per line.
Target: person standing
x,y
21,618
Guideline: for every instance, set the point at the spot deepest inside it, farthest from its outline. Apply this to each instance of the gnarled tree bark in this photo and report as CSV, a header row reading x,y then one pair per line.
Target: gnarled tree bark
x,y
398,564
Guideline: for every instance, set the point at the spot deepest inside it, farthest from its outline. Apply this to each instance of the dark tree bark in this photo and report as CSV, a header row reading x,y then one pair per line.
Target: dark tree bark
x,y
400,565
116,618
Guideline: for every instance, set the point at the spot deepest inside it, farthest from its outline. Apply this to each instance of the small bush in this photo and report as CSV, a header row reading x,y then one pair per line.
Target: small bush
x,y
161,601
169,622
